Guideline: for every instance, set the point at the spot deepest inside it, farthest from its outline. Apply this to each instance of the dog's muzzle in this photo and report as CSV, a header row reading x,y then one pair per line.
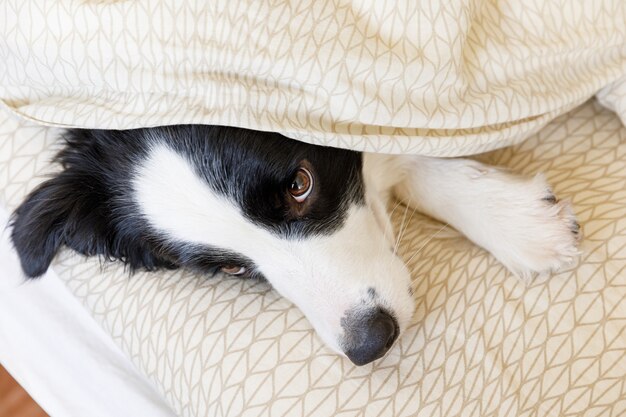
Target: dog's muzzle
x,y
368,336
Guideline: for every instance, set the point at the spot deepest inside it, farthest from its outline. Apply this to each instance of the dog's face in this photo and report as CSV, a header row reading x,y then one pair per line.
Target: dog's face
x,y
249,203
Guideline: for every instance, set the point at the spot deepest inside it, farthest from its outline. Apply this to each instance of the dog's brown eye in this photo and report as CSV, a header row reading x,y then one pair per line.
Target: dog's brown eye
x,y
233,269
301,185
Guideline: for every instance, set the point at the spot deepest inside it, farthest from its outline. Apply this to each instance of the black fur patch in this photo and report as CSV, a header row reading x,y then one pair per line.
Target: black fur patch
x,y
89,207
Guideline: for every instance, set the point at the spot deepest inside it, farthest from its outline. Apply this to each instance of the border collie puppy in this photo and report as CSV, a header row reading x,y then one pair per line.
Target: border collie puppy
x,y
311,220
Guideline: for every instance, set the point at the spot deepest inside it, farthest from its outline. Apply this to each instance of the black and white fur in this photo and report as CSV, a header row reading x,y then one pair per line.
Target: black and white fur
x,y
209,197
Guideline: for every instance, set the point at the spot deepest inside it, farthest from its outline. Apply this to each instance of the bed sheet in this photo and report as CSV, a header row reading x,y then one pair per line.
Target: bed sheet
x,y
481,342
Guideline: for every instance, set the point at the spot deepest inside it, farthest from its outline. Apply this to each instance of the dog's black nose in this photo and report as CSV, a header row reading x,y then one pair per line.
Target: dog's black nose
x,y
372,338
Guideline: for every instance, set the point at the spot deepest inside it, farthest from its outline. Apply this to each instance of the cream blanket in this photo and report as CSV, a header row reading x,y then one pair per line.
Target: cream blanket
x,y
432,77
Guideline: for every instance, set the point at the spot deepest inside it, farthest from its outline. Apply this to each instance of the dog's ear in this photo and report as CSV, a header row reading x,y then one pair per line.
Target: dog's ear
x,y
74,210
52,214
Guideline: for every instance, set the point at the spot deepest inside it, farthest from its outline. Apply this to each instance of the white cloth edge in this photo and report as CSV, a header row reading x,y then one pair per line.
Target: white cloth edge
x,y
53,347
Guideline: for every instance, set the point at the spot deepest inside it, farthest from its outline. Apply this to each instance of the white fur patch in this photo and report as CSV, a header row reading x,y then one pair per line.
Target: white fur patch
x,y
177,202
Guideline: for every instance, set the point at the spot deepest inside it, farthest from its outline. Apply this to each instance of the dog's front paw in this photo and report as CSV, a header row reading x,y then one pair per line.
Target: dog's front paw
x,y
542,233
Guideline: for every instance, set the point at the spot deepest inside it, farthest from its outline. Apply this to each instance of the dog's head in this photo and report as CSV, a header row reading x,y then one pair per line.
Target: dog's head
x,y
304,217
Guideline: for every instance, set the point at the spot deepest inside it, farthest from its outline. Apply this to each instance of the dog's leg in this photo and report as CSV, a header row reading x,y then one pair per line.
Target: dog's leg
x,y
517,219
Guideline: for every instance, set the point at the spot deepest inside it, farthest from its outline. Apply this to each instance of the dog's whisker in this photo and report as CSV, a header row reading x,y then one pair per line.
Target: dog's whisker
x,y
388,229
403,228
434,235
395,246
389,225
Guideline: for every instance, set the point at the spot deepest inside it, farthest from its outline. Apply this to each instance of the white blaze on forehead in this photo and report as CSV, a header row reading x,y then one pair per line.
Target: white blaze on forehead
x,y
177,202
